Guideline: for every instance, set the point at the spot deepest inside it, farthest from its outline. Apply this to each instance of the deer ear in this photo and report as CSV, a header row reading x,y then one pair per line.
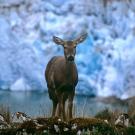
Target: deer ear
x,y
58,40
81,38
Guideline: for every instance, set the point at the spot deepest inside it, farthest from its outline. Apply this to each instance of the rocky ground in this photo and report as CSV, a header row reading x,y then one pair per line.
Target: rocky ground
x,y
54,126
104,123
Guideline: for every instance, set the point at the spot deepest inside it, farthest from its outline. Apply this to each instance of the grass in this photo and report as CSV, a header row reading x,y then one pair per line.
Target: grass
x,y
45,111
5,112
108,115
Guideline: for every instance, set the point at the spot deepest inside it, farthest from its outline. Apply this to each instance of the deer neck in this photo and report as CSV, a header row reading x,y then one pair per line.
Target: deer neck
x,y
69,72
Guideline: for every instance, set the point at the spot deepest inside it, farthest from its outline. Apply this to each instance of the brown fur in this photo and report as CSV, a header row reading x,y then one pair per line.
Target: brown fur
x,y
62,76
61,80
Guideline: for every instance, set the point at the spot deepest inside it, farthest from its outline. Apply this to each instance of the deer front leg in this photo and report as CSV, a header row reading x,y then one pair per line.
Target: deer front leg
x,y
70,105
61,107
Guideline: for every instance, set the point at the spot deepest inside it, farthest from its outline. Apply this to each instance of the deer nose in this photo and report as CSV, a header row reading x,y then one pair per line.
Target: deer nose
x,y
70,58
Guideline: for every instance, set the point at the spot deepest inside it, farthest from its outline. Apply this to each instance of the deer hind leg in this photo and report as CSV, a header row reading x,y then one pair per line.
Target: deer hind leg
x,y
54,100
54,108
64,113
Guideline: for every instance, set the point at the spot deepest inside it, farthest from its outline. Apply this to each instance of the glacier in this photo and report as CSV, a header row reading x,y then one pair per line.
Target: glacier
x,y
105,61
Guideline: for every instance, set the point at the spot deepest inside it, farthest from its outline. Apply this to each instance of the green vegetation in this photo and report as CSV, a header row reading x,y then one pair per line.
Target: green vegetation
x,y
102,124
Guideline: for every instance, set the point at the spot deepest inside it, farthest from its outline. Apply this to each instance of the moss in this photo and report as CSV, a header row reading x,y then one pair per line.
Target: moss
x,y
29,126
94,124
129,131
87,126
48,121
84,124
10,131
105,115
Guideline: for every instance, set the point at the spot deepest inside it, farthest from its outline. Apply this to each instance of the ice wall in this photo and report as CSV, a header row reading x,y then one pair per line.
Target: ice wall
x,y
105,61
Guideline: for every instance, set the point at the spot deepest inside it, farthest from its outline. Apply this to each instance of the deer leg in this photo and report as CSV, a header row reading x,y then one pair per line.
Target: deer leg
x,y
60,110
61,113
54,108
61,107
64,114
57,110
70,105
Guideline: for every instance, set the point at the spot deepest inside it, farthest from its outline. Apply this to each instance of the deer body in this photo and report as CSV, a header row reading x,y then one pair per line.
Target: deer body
x,y
62,77
60,72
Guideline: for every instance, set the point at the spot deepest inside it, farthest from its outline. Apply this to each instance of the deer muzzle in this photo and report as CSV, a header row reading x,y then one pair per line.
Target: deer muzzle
x,y
70,58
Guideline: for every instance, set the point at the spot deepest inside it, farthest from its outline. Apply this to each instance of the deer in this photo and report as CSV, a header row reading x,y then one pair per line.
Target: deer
x,y
62,77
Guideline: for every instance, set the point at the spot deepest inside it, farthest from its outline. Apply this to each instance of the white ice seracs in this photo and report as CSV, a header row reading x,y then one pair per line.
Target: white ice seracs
x,y
26,43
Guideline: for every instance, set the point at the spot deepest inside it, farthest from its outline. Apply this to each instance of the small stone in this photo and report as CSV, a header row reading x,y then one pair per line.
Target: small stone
x,y
65,129
56,128
45,131
59,120
1,118
79,132
106,121
74,126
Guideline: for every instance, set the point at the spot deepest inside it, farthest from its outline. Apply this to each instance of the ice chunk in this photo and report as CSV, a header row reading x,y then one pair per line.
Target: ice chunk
x,y
20,84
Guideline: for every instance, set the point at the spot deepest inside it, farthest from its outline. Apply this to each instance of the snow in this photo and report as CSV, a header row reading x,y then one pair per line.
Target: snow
x,y
105,60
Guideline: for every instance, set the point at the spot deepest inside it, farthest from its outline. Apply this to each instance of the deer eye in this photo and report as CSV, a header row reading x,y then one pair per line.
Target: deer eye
x,y
65,47
74,46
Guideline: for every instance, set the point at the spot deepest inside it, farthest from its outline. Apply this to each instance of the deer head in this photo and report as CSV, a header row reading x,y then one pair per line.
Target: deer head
x,y
70,46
